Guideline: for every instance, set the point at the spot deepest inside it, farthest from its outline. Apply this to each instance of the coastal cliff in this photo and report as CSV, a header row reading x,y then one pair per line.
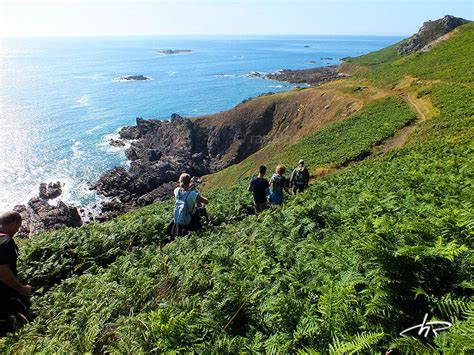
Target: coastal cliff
x,y
161,150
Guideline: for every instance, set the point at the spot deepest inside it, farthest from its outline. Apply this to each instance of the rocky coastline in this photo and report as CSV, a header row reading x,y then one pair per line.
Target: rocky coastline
x,y
160,150
313,76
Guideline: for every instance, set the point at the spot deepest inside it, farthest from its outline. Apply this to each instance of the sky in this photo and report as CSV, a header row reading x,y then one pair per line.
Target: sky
x,y
222,17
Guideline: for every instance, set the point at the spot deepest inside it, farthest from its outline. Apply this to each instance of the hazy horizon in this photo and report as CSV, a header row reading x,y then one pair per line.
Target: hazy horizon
x,y
183,18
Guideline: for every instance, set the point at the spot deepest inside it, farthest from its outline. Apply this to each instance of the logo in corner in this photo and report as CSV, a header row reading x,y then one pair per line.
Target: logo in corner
x,y
425,327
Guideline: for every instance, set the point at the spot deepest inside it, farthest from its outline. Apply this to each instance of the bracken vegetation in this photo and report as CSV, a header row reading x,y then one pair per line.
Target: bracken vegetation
x,y
342,268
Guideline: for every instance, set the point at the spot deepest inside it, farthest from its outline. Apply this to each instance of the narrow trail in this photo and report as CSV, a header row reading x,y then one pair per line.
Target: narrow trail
x,y
413,104
397,141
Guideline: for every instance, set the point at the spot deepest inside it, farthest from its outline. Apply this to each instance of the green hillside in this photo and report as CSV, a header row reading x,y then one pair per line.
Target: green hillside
x,y
346,266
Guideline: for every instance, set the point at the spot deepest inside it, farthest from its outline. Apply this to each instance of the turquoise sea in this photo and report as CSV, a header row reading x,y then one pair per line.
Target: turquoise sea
x,y
60,103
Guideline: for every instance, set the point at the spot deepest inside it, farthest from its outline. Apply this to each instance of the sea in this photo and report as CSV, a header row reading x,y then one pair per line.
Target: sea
x,y
62,100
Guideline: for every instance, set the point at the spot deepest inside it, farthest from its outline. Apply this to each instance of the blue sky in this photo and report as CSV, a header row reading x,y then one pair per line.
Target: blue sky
x,y
231,17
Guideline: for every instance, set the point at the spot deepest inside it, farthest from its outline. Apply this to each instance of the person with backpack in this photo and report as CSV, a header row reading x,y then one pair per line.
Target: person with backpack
x,y
278,183
299,180
259,186
185,200
14,295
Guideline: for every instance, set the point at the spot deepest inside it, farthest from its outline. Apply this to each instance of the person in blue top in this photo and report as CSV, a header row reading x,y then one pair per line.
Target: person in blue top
x,y
278,183
185,200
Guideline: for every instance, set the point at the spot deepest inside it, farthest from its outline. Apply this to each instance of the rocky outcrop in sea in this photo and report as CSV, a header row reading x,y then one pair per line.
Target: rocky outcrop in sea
x,y
314,76
132,78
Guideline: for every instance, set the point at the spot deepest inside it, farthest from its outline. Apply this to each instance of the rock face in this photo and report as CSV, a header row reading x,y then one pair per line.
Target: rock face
x,y
38,215
429,32
313,76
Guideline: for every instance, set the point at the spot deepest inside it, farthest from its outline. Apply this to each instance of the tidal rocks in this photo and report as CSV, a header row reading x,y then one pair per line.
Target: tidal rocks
x,y
429,32
256,74
116,142
313,76
50,191
38,215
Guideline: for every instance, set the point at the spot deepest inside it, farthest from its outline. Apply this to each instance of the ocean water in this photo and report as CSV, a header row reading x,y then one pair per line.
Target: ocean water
x,y
60,104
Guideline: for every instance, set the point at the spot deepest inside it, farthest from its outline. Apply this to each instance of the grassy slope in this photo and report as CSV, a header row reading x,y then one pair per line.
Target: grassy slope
x,y
360,256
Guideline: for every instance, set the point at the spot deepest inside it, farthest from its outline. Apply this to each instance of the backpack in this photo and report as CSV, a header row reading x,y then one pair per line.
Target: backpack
x,y
299,178
277,184
182,214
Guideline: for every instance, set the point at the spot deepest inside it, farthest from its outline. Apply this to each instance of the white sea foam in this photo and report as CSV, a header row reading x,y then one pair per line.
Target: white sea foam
x,y
93,129
90,77
105,145
224,75
84,101
275,86
76,149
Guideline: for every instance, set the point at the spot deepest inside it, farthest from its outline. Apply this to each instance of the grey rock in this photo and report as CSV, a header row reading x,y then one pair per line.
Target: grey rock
x,y
50,191
429,32
38,215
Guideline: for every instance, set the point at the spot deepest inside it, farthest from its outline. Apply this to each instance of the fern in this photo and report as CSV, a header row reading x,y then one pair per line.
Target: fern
x,y
356,344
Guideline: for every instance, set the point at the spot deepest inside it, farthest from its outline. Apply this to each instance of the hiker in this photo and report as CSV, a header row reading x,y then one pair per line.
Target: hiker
x,y
259,186
278,183
299,180
14,300
186,219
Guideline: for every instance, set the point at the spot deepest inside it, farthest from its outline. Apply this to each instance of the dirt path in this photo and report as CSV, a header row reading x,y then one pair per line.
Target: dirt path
x,y
413,104
397,141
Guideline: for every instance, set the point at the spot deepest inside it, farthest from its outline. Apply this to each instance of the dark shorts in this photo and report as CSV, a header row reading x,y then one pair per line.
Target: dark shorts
x,y
297,189
276,198
260,207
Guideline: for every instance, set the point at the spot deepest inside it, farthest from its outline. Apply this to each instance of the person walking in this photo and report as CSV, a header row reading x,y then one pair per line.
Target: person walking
x,y
185,200
299,180
259,186
278,183
14,295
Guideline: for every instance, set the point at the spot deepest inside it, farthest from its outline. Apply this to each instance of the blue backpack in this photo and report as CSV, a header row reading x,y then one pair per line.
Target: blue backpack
x,y
182,214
